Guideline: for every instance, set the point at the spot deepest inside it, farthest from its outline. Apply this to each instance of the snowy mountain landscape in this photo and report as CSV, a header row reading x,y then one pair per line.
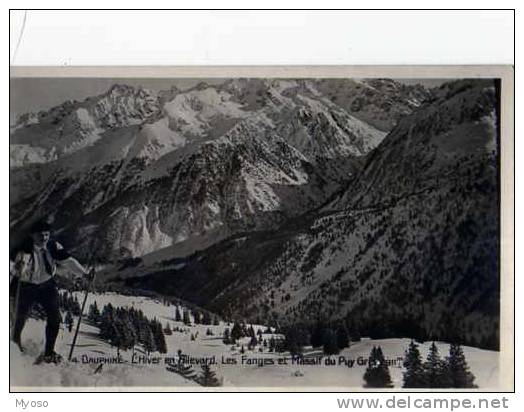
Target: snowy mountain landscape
x,y
366,205
244,155
256,368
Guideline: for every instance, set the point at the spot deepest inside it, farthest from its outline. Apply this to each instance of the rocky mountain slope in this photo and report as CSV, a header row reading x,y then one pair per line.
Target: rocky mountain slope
x,y
409,247
379,102
130,172
50,135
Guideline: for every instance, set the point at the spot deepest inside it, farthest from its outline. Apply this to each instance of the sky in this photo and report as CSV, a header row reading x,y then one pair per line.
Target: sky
x,y
35,94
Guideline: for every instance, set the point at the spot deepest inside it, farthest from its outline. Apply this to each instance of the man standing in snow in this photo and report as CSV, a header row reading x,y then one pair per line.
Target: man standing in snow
x,y
35,266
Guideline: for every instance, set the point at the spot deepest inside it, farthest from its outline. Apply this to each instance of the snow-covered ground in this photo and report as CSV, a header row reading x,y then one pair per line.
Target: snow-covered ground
x,y
236,370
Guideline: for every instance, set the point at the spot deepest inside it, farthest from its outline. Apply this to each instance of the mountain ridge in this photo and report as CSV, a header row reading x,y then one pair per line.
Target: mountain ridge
x,y
288,146
409,247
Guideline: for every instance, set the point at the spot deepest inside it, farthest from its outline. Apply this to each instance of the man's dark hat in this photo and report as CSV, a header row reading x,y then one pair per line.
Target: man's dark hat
x,y
40,226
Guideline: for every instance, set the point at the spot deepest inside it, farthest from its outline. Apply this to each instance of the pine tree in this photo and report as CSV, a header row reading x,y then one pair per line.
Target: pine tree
x,y
108,312
138,327
196,317
384,369
178,317
227,338
116,339
236,332
458,369
93,313
123,337
253,342
106,322
377,372
354,330
435,370
272,344
75,307
280,345
206,319
149,339
69,321
158,334
185,318
208,377
342,337
295,338
103,330
317,335
413,376
131,333
167,330
369,374
329,342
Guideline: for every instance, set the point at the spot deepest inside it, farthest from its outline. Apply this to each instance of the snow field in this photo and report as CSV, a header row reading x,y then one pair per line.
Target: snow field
x,y
234,368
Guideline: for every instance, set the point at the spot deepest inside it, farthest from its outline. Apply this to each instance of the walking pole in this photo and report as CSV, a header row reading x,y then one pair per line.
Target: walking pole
x,y
16,304
81,314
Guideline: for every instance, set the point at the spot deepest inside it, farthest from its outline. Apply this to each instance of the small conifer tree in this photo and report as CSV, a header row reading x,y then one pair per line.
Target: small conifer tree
x,y
208,377
377,372
458,369
69,321
435,370
413,376
329,342
342,337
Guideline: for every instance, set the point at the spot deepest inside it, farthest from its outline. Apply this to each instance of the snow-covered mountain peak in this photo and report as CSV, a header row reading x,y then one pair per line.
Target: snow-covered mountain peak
x,y
74,125
125,105
24,120
203,112
257,150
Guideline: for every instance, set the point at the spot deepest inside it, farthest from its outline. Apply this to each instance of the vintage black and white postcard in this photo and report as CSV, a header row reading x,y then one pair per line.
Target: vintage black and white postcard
x,y
263,229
